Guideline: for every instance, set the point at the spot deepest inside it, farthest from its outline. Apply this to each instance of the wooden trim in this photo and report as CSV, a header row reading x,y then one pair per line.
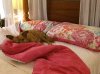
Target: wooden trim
x,y
25,10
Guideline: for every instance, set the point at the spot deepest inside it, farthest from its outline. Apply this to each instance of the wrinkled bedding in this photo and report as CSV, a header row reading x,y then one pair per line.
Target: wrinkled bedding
x,y
49,59
88,57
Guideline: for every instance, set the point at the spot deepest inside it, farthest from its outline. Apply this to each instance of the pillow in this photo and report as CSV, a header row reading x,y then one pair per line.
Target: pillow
x,y
38,25
84,36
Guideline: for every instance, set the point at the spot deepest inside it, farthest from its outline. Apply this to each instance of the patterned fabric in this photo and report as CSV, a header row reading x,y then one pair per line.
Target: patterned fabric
x,y
38,25
84,36
49,59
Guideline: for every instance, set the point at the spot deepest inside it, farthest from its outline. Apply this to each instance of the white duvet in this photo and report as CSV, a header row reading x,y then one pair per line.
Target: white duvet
x,y
90,58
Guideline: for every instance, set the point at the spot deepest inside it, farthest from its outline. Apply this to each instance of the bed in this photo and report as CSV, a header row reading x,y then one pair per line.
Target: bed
x,y
90,58
12,66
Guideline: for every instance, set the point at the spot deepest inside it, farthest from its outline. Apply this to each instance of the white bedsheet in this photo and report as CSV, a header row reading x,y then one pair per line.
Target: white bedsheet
x,y
90,58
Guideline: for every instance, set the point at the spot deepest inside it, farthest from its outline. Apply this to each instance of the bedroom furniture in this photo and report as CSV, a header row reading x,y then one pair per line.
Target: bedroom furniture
x,y
88,57
59,10
20,8
63,10
25,10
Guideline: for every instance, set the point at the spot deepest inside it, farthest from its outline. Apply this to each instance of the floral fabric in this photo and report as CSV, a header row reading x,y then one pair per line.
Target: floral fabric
x,y
84,36
38,25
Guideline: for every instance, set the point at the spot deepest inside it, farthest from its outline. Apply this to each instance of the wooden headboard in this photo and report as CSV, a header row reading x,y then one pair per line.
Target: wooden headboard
x,y
59,10
63,10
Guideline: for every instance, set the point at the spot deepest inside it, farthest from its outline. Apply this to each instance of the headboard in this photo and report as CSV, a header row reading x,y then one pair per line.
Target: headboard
x,y
59,10
63,10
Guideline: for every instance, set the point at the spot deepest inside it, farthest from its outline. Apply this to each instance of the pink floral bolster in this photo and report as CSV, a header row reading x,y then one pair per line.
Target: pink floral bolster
x,y
84,36
75,43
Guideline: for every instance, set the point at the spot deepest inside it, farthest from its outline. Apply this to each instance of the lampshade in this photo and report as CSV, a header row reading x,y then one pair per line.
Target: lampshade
x,y
17,4
20,10
17,10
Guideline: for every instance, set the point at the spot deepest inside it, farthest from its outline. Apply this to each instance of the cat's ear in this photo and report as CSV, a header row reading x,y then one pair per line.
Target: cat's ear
x,y
10,37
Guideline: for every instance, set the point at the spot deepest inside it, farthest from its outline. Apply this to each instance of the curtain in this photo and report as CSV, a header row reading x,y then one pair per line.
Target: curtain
x,y
8,12
90,12
12,11
38,9
1,10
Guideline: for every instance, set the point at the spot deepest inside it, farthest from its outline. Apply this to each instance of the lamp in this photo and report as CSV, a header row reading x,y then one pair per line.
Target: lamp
x,y
20,10
17,10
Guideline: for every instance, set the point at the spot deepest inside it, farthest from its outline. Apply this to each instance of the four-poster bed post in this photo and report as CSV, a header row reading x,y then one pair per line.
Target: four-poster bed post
x,y
25,10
